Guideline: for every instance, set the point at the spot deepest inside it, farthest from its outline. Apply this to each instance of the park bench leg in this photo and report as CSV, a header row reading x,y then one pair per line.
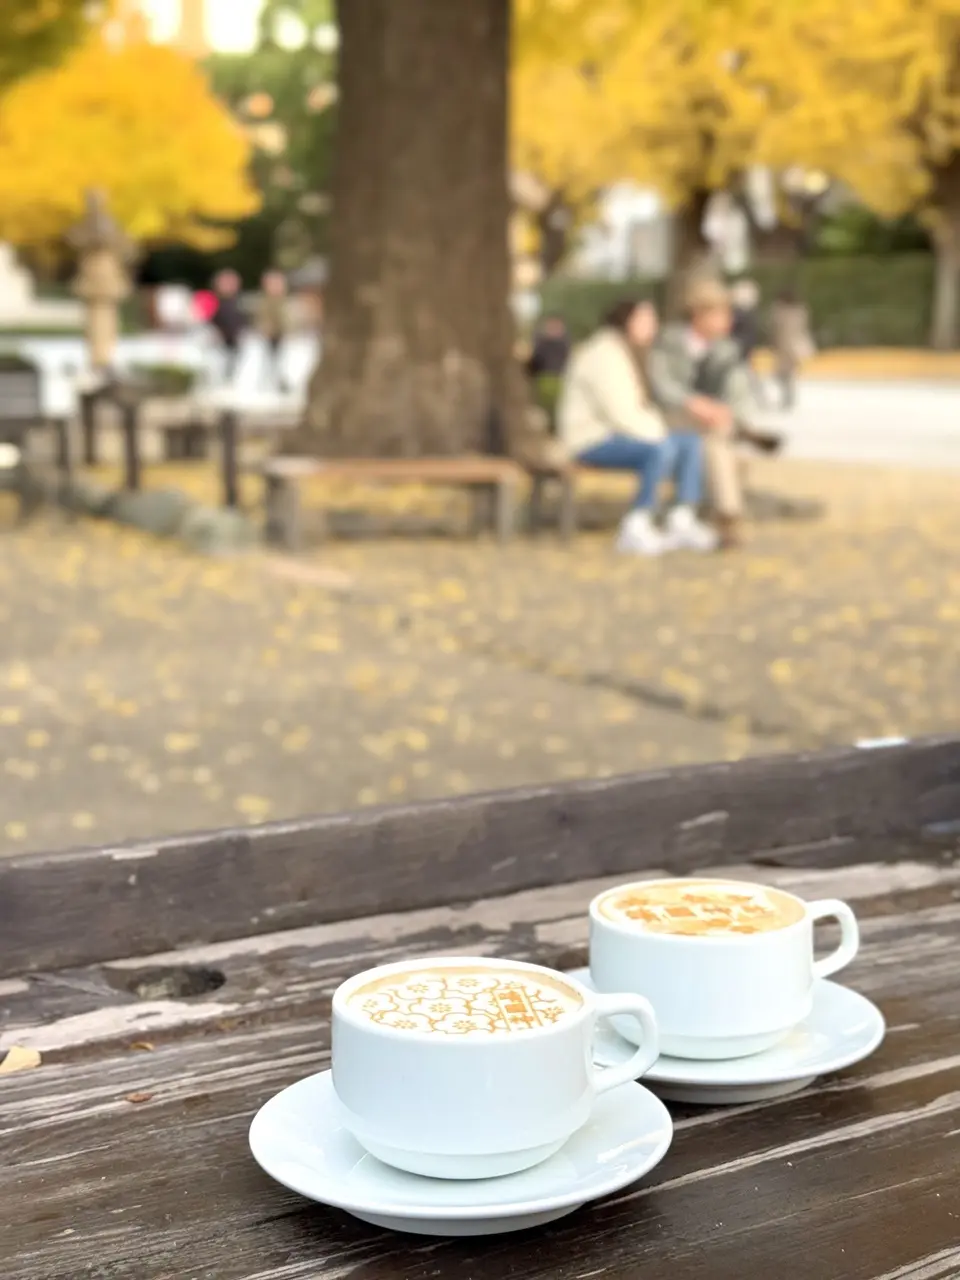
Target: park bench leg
x,y
506,510
131,446
61,427
567,519
284,513
535,516
88,422
229,431
483,509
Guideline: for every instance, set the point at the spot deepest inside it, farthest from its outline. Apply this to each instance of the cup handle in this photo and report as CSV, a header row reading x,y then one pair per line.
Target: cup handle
x,y
605,1078
832,908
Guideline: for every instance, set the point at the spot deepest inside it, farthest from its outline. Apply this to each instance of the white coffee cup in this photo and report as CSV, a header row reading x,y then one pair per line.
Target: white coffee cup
x,y
468,1067
735,988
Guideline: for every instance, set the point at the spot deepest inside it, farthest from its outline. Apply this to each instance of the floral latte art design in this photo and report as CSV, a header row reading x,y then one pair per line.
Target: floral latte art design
x,y
465,1002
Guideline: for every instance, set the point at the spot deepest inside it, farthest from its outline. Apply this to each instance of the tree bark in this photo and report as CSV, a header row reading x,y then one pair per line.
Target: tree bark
x,y
418,344
946,289
945,234
691,248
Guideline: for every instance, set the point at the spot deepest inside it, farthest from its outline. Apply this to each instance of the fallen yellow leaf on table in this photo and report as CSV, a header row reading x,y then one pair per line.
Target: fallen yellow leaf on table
x,y
19,1059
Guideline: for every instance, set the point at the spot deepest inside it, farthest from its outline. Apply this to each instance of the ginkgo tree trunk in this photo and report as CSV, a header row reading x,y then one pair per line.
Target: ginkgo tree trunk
x,y
945,234
418,333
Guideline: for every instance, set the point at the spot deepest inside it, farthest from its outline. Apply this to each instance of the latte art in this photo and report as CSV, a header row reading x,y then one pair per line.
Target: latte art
x,y
463,1002
701,908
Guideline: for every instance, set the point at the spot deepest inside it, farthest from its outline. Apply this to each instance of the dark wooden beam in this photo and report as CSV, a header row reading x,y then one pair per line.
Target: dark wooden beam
x,y
839,806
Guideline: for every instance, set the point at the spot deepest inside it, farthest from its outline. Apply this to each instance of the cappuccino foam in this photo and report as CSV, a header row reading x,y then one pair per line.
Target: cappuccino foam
x,y
465,1001
701,908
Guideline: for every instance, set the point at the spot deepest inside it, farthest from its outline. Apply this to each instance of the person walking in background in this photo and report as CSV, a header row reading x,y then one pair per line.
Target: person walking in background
x,y
699,382
547,362
273,322
551,348
229,319
792,342
606,420
745,332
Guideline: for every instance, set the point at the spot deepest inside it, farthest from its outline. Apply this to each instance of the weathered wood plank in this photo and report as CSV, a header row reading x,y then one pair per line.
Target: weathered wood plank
x,y
855,1179
74,908
910,917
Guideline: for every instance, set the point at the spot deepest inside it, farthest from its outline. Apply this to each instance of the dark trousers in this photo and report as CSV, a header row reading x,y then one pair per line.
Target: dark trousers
x,y
231,354
274,362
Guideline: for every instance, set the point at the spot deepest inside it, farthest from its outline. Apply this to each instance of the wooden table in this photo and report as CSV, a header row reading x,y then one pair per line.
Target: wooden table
x,y
124,1154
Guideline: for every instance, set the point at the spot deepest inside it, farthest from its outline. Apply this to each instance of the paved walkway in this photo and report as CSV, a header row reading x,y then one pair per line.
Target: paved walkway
x,y
913,423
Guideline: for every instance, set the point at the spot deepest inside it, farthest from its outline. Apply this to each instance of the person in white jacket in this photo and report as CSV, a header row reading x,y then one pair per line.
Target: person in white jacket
x,y
606,419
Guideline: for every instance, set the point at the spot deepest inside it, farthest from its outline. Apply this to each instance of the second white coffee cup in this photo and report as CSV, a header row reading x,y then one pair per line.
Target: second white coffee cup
x,y
728,966
469,1067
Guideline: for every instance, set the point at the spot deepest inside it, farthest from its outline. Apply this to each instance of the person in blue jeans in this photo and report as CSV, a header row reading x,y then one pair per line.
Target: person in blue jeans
x,y
607,420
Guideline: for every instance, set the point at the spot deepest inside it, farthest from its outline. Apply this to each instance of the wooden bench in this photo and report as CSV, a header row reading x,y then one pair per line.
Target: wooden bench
x,y
496,484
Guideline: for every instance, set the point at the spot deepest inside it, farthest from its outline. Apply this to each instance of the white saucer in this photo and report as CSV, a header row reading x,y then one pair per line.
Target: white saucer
x,y
297,1139
843,1027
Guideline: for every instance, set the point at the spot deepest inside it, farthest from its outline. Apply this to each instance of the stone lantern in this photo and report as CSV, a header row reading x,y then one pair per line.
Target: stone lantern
x,y
102,280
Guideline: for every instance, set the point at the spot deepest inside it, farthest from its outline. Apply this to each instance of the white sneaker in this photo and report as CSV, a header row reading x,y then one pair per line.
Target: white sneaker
x,y
639,536
685,532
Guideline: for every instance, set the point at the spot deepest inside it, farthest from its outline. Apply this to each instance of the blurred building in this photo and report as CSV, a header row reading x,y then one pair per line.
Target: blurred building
x,y
201,27
633,236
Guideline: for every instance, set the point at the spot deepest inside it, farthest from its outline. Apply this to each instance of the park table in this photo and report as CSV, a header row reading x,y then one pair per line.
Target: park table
x,y
172,986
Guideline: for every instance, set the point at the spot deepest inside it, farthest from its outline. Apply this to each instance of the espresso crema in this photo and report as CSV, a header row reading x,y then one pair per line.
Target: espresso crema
x,y
701,908
467,1001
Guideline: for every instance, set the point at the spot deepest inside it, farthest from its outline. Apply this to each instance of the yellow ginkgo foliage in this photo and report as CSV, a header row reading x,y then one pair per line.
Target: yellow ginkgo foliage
x,y
905,55
138,122
686,95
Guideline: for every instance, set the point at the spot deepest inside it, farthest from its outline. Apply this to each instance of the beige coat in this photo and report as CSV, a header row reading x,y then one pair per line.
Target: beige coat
x,y
603,395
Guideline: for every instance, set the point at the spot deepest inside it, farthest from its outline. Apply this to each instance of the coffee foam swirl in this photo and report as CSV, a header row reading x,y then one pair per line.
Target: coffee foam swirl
x,y
701,908
461,1002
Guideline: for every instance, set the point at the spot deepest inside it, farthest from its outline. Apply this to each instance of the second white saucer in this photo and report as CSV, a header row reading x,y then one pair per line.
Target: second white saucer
x,y
297,1138
843,1028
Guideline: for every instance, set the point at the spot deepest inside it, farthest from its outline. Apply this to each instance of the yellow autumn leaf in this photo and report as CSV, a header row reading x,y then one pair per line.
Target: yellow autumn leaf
x,y
781,671
19,1059
254,806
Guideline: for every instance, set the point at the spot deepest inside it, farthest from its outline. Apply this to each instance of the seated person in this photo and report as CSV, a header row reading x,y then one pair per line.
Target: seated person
x,y
698,380
605,419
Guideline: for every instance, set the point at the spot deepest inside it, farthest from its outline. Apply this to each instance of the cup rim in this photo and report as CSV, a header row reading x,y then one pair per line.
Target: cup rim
x,y
340,1008
685,939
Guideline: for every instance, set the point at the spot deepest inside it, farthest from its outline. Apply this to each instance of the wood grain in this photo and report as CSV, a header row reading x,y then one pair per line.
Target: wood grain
x,y
292,974
833,808
855,1179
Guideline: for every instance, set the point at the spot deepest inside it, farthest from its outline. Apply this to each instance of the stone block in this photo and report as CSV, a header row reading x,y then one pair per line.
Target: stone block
x,y
157,511
217,531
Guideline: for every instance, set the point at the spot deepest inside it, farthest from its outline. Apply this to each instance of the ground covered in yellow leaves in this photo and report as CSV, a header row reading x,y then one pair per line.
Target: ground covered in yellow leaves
x,y
143,690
